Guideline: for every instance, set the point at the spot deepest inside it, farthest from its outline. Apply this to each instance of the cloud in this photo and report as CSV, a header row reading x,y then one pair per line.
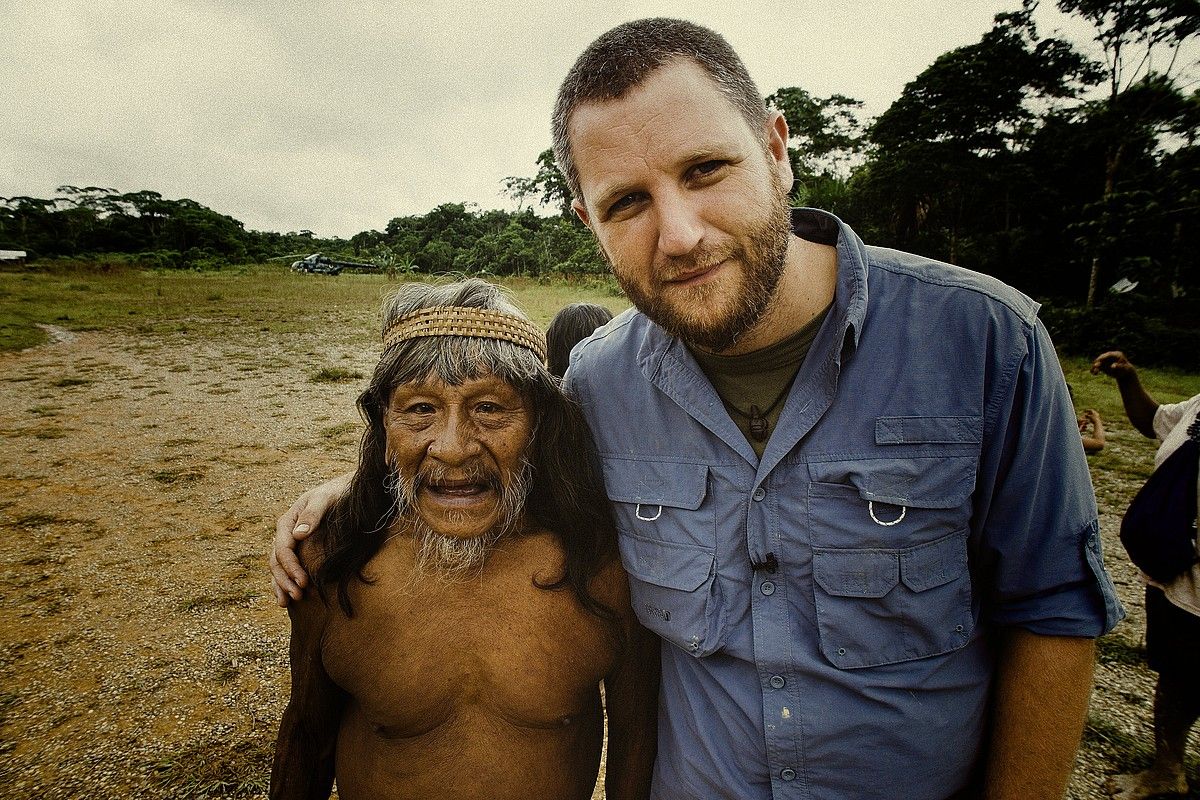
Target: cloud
x,y
337,117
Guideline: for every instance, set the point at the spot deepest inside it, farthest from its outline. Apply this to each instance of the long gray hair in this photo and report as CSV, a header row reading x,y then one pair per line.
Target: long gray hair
x,y
566,493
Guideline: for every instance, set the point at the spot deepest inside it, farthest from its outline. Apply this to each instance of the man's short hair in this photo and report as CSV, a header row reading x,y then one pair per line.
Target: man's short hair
x,y
624,57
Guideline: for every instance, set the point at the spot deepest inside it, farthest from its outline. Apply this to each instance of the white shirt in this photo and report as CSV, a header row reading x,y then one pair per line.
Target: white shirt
x,y
1171,422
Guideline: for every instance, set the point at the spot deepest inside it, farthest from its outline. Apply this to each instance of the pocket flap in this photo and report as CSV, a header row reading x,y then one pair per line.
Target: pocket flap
x,y
928,430
855,573
671,564
655,483
942,482
934,564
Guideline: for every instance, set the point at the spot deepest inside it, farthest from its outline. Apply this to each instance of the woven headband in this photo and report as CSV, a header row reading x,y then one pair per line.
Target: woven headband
x,y
461,321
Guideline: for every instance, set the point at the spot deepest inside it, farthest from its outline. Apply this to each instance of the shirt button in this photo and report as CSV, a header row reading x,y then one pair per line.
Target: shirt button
x,y
767,588
759,493
777,681
788,774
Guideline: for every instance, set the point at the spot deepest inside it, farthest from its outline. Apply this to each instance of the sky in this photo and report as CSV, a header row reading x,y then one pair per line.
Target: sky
x,y
337,117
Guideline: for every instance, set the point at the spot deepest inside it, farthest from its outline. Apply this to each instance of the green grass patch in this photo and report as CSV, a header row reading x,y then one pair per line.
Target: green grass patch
x,y
1113,649
206,304
185,475
341,431
217,768
37,520
335,375
1123,751
213,602
45,411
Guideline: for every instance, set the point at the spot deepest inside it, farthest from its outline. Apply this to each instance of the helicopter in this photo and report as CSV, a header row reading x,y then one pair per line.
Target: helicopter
x,y
323,265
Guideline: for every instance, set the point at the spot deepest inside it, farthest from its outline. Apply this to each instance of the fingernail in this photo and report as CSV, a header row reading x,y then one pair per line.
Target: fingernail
x,y
301,528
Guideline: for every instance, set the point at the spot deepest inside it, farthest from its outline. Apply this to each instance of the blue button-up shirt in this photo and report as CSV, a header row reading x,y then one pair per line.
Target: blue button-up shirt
x,y
925,484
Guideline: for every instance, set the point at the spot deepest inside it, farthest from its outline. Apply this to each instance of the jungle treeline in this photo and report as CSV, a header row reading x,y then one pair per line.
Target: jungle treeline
x,y
1058,169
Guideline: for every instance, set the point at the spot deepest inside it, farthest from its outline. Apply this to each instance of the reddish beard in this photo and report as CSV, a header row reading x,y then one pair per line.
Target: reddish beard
x,y
762,261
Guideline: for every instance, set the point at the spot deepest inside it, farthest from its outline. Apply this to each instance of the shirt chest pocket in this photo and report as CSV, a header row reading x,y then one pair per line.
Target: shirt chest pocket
x,y
890,575
668,546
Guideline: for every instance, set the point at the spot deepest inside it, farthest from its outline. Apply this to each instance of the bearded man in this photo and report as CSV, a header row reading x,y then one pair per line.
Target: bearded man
x,y
470,602
848,483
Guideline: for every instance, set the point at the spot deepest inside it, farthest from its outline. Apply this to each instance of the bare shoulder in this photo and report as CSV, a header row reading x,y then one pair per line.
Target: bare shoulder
x,y
311,611
543,550
611,585
311,552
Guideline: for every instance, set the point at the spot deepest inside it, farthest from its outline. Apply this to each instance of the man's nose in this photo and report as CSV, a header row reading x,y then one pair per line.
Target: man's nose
x,y
680,228
455,440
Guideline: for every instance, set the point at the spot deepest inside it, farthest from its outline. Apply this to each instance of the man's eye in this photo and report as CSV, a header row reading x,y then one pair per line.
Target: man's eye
x,y
488,408
419,408
623,203
707,168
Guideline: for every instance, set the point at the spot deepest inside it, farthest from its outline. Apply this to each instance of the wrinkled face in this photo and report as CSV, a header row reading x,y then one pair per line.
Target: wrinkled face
x,y
688,205
459,453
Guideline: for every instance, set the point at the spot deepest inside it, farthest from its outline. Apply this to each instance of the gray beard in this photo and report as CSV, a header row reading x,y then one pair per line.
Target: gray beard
x,y
453,558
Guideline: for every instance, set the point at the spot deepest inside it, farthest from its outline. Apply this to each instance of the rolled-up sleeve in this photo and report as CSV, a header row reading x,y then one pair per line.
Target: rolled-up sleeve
x,y
1039,558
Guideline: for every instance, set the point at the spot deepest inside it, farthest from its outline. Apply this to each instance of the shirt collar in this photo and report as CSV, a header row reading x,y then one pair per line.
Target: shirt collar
x,y
850,297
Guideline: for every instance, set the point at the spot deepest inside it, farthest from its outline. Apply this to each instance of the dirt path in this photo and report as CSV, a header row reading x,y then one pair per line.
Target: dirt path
x,y
140,652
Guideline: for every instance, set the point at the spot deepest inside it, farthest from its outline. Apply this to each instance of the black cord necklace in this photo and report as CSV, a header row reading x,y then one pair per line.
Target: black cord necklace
x,y
758,418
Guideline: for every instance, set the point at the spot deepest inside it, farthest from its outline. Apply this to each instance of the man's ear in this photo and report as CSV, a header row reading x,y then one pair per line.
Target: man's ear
x,y
581,211
777,138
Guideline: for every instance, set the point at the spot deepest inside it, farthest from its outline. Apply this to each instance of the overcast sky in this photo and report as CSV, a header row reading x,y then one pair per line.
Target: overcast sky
x,y
336,117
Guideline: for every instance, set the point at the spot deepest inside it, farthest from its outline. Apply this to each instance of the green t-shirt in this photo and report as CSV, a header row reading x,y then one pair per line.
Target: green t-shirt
x,y
754,386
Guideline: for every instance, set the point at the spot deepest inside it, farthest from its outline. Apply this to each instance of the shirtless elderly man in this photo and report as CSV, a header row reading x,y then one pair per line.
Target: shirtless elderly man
x,y
470,600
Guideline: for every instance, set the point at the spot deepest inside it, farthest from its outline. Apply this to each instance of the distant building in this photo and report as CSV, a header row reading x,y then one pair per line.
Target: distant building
x,y
12,256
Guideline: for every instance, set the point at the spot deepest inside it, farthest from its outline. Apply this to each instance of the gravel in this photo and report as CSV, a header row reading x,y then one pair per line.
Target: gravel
x,y
141,654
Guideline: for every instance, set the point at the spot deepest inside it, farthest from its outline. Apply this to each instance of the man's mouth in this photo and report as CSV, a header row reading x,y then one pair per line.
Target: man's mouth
x,y
458,491
695,276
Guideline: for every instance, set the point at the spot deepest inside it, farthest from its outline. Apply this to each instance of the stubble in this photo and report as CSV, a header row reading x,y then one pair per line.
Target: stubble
x,y
762,258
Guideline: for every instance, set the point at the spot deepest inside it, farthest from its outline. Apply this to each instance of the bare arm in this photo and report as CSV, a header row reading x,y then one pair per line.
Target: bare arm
x,y
1091,430
292,528
631,703
307,741
1139,405
1041,696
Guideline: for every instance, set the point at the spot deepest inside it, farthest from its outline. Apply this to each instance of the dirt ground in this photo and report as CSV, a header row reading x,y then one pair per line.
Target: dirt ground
x,y
141,654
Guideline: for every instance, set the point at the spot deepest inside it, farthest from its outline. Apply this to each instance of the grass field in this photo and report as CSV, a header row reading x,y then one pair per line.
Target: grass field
x,y
272,298
151,428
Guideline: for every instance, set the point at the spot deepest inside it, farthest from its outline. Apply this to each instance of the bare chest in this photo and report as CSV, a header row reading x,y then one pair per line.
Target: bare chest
x,y
418,657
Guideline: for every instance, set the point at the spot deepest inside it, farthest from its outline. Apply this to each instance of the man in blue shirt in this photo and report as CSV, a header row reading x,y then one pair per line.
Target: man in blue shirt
x,y
848,481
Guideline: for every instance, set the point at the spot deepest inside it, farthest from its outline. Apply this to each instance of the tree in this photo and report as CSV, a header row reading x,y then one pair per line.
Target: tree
x,y
946,153
1141,42
825,138
824,132
547,187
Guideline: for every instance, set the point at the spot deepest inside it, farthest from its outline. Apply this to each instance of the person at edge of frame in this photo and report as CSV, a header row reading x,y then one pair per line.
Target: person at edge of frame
x,y
1172,608
572,324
